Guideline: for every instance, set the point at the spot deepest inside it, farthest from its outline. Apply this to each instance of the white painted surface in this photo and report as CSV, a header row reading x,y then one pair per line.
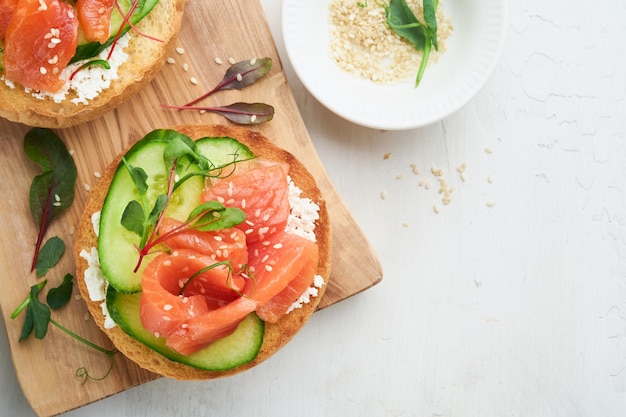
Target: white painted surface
x,y
512,310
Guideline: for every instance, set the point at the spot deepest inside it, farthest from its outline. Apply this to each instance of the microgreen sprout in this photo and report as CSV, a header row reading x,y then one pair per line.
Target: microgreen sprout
x,y
423,37
144,219
38,317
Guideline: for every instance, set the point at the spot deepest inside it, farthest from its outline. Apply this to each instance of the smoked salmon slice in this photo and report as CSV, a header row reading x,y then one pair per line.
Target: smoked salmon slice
x,y
261,190
165,307
95,19
284,266
6,12
41,39
227,244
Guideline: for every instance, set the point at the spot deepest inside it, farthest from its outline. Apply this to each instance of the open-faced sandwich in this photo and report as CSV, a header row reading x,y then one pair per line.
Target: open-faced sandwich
x,y
66,62
203,250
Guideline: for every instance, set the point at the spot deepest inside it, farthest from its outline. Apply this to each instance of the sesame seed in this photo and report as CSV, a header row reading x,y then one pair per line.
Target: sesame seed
x,y
180,51
70,14
53,60
436,208
43,70
399,176
167,318
387,155
232,61
491,203
185,67
167,262
278,246
239,77
253,61
490,179
57,198
86,317
167,307
265,258
243,203
268,268
414,169
97,174
157,334
71,230
218,60
488,150
193,81
405,224
218,238
257,212
253,118
171,60
383,195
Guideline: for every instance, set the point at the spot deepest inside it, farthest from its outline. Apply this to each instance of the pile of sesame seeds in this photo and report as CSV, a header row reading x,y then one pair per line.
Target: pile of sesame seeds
x,y
363,45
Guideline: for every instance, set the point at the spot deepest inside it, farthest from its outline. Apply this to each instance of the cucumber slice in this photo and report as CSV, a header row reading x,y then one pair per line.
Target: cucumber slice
x,y
86,50
117,245
227,353
221,151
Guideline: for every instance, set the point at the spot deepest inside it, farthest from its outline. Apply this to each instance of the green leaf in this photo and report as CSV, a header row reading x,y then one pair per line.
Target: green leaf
x,y
430,17
52,191
138,176
212,215
61,295
37,316
403,22
133,218
245,113
159,206
49,255
239,75
180,147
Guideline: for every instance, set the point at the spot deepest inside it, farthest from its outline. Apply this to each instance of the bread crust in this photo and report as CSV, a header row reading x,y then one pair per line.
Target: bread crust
x,y
146,57
276,334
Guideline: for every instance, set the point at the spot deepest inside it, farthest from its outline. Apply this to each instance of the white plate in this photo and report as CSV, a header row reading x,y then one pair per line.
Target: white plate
x,y
473,50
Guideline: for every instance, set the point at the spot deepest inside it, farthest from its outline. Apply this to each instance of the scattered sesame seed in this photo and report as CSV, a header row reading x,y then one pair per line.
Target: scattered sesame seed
x,y
167,318
414,169
43,70
77,297
193,81
268,268
383,195
231,60
488,150
167,307
185,67
463,177
86,316
180,50
218,60
405,224
387,155
490,179
399,176
97,174
253,61
171,60
71,230
491,203
239,77
253,118
436,208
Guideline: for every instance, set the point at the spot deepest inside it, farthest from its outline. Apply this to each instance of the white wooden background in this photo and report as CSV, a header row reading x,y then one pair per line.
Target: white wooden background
x,y
512,310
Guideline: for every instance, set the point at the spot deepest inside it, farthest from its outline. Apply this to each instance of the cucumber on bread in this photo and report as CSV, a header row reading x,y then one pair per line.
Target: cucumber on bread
x,y
261,340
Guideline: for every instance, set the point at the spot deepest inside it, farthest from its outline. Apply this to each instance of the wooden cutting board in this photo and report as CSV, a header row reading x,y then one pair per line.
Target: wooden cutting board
x,y
216,28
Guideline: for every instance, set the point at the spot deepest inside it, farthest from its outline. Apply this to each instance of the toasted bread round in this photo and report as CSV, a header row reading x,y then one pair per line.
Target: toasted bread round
x,y
146,57
276,334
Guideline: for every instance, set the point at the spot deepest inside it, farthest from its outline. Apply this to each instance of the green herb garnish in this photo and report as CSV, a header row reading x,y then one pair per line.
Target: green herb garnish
x,y
238,76
38,317
49,255
144,219
51,192
423,37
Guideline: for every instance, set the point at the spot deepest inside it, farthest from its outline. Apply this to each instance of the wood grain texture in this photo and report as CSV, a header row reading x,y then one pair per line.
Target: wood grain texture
x,y
234,28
